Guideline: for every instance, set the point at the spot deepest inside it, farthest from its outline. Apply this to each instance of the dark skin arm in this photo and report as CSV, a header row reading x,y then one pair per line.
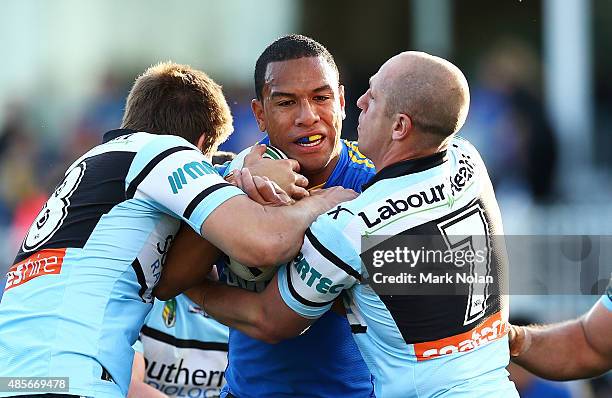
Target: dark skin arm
x,y
190,260
263,316
191,257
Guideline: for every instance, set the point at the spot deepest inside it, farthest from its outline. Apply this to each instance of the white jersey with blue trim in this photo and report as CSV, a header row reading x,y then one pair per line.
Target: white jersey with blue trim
x,y
415,345
81,285
185,350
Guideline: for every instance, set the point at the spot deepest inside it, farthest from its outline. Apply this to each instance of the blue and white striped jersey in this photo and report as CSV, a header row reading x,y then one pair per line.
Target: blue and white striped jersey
x,y
185,350
415,345
82,282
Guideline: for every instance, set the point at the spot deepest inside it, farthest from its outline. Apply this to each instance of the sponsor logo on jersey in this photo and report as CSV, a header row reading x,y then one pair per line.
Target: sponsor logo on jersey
x,y
193,170
339,209
169,313
44,262
312,277
493,328
464,174
182,381
394,207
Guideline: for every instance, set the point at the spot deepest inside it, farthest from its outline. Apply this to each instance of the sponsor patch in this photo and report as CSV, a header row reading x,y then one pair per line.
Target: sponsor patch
x,y
169,313
492,329
193,170
396,206
44,262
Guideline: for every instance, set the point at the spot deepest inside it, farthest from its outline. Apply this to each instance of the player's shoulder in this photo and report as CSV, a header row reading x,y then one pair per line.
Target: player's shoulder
x,y
466,164
462,143
356,158
154,144
340,224
141,144
461,147
131,140
172,151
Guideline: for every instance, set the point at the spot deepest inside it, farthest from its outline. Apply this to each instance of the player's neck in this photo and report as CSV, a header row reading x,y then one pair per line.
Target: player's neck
x,y
392,157
318,178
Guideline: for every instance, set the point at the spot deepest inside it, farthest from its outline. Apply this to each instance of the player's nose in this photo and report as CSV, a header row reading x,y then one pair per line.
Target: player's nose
x,y
308,114
361,101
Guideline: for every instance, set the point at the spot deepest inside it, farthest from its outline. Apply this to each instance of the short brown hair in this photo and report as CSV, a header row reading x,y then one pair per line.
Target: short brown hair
x,y
175,99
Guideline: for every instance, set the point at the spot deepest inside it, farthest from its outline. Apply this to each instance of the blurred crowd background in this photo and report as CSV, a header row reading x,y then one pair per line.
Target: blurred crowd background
x,y
539,73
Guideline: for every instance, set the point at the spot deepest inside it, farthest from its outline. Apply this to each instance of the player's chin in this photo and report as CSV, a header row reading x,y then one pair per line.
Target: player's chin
x,y
314,163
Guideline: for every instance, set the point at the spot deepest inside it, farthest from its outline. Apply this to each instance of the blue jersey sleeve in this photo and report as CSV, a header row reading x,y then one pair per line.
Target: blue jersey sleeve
x,y
173,176
327,264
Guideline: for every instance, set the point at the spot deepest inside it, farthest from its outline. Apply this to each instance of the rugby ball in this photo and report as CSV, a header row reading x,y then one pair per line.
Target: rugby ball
x,y
270,153
253,274
250,274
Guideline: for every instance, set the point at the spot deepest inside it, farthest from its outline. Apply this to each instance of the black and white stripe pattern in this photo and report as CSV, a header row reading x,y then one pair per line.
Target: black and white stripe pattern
x,y
305,282
150,166
183,343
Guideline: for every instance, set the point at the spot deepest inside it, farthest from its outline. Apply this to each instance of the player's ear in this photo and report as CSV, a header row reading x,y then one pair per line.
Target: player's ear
x,y
258,112
402,126
341,99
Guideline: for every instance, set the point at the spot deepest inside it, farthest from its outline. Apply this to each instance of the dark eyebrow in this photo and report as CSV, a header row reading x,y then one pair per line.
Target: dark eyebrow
x,y
276,94
326,87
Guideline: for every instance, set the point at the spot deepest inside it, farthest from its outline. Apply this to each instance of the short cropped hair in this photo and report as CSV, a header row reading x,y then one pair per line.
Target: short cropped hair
x,y
176,99
433,92
287,48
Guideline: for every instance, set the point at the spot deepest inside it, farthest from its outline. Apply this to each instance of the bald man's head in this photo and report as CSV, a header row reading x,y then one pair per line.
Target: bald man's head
x,y
430,90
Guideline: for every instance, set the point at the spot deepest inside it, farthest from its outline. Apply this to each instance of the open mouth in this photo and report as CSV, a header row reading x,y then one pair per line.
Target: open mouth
x,y
310,141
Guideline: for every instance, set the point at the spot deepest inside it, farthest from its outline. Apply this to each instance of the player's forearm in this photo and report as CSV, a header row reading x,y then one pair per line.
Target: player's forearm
x,y
260,236
560,352
188,263
289,223
236,308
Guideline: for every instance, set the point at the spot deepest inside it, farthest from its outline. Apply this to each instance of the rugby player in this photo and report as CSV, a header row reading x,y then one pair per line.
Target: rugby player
x,y
82,282
576,349
300,105
181,350
415,345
